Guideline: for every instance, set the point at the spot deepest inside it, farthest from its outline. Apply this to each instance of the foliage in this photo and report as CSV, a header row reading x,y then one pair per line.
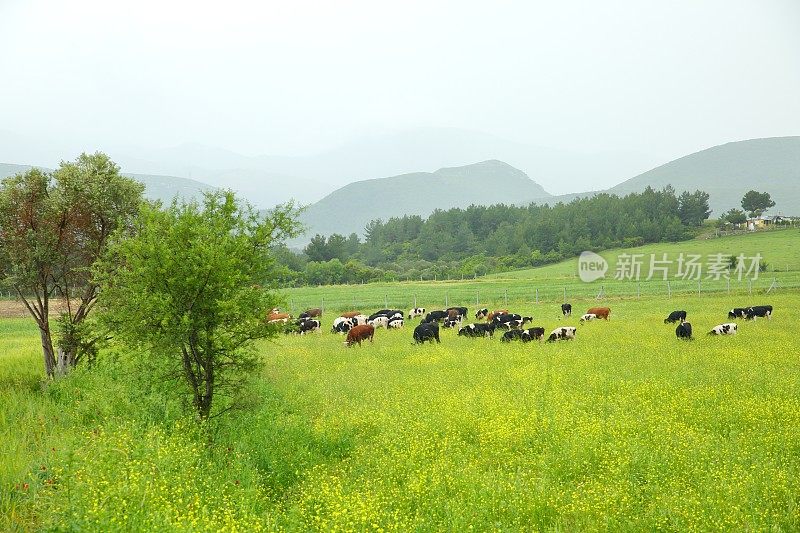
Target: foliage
x,y
52,230
755,203
187,285
693,207
735,217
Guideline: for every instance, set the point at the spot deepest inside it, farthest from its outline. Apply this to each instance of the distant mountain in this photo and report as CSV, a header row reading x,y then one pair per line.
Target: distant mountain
x,y
163,188
350,208
729,170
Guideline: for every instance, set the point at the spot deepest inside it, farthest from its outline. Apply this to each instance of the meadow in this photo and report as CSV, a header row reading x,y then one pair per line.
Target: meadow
x,y
623,429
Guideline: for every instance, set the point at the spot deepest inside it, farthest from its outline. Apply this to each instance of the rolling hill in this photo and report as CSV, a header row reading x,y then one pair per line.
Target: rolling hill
x,y
351,207
163,188
729,170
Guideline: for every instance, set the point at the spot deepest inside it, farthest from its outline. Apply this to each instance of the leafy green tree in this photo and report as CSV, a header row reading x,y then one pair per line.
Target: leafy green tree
x,y
735,217
337,247
755,203
693,207
317,249
53,228
189,287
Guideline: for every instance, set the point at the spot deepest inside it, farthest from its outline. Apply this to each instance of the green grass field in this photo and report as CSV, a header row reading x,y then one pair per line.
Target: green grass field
x,y
623,429
551,283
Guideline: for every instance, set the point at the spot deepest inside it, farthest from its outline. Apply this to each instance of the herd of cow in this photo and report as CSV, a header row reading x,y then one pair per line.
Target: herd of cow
x,y
360,327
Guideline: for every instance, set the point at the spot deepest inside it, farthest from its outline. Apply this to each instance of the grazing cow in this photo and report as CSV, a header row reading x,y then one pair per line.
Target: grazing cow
x,y
675,316
452,322
426,332
350,314
758,310
395,323
359,320
491,316
454,312
481,313
434,316
417,311
512,335
379,322
728,328
684,331
385,312
506,317
358,334
601,312
588,317
311,313
275,317
566,310
309,325
564,333
477,330
532,334
737,312
343,324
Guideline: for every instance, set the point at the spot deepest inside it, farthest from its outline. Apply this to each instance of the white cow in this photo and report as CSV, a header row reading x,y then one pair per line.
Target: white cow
x,y
728,328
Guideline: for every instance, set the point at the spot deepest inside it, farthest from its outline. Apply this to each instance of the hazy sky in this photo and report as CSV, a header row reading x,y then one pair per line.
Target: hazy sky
x,y
664,78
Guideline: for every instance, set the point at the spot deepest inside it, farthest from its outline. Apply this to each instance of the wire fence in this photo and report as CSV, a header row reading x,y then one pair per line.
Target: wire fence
x,y
499,292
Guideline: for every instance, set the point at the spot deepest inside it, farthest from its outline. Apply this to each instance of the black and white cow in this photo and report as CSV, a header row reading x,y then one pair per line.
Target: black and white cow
x,y
566,310
395,322
343,324
309,325
417,311
684,331
532,334
588,317
512,335
737,312
388,313
379,322
452,312
452,322
426,332
728,328
564,333
359,320
481,313
477,330
434,316
758,310
675,316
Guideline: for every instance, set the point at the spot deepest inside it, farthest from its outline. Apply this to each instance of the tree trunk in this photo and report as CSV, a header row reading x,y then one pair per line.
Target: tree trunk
x,y
47,350
65,361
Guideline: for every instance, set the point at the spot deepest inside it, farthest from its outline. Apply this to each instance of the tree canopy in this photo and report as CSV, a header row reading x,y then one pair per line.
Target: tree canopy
x,y
755,203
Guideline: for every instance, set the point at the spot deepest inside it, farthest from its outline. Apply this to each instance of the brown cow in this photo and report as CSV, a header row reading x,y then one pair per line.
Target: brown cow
x,y
601,312
311,313
358,334
275,317
493,314
350,314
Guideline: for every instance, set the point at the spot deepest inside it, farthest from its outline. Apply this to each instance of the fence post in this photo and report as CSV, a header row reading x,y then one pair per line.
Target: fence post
x,y
698,286
386,301
537,295
446,301
729,285
505,297
415,301
750,287
669,290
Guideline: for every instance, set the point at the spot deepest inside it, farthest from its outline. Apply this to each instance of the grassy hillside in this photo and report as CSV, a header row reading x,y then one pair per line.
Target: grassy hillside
x,y
780,249
611,431
728,171
163,188
350,208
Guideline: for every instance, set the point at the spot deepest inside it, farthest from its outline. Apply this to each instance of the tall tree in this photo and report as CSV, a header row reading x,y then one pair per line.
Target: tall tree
x,y
693,207
52,230
755,203
317,249
735,217
189,288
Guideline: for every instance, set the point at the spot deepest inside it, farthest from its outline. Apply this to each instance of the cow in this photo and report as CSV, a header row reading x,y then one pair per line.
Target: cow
x,y
359,320
455,312
737,312
452,322
311,313
758,310
350,314
385,312
426,332
417,311
512,335
515,323
675,316
481,313
491,316
506,317
588,317
275,317
532,334
434,316
395,323
309,325
343,324
379,322
684,331
477,330
564,333
566,310
601,312
729,328
358,334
